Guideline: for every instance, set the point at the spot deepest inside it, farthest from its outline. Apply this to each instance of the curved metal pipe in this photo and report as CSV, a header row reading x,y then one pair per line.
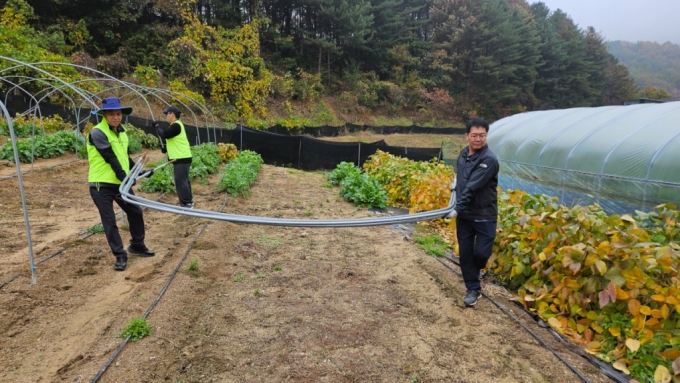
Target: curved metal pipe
x,y
27,224
380,221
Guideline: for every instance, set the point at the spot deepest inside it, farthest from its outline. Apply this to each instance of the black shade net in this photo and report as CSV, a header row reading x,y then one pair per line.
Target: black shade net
x,y
277,145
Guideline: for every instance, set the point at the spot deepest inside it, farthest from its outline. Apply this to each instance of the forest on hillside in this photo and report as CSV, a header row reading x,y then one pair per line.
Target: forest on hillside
x,y
651,64
460,57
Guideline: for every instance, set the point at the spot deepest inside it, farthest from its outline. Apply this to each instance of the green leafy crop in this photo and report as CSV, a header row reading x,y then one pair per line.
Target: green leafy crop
x,y
240,173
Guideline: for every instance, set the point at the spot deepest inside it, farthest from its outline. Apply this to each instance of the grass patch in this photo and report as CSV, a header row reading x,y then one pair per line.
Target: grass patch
x,y
204,246
432,244
270,242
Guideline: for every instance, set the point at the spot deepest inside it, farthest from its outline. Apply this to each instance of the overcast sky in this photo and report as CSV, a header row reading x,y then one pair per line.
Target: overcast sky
x,y
629,20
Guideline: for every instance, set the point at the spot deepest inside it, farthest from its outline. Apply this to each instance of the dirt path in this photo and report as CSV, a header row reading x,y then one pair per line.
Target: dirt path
x,y
267,304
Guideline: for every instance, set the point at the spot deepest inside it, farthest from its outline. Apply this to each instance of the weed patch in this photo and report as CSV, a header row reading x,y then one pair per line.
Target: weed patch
x,y
432,244
137,328
193,266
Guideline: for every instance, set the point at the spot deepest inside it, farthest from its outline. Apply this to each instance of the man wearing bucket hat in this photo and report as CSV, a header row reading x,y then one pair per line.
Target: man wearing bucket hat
x,y
107,152
178,149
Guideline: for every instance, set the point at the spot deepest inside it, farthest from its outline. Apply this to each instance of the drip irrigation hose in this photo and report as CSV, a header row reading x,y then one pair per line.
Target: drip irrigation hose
x,y
158,298
572,368
605,368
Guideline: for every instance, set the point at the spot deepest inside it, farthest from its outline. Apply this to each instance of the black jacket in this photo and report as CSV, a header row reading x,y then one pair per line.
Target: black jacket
x,y
477,179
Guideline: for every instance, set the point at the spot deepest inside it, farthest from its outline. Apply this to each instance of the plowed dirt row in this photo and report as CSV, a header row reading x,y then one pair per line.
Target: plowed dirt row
x,y
267,304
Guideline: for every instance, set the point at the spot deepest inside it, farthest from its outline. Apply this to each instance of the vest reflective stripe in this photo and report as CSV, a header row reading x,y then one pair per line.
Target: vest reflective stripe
x,y
178,146
100,170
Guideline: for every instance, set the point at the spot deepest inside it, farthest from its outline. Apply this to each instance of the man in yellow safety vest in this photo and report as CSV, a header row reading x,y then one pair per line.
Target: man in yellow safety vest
x,y
178,149
110,162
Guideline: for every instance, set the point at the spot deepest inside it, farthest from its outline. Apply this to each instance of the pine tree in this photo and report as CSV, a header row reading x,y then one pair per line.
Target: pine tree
x,y
553,61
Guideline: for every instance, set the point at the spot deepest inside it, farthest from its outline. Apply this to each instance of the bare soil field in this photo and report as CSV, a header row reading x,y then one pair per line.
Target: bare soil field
x,y
267,303
403,140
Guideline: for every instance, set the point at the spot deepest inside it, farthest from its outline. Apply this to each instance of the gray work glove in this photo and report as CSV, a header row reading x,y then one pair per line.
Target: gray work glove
x,y
452,214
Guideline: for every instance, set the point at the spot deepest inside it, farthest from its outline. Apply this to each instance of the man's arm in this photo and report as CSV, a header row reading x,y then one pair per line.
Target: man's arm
x,y
172,131
101,143
481,175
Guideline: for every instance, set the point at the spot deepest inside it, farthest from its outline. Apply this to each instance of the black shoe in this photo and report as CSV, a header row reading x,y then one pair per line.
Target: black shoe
x,y
189,205
121,264
142,251
472,297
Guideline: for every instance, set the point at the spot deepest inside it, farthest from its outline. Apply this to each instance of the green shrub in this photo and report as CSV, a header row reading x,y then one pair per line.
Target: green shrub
x,y
240,173
20,130
134,144
161,181
322,115
342,171
205,160
138,139
293,122
358,187
301,86
363,190
256,123
43,146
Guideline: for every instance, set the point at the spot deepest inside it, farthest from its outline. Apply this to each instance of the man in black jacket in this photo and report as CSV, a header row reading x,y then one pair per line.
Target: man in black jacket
x,y
476,206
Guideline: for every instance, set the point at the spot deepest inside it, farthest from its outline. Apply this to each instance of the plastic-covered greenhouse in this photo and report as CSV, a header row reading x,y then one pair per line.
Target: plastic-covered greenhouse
x,y
621,157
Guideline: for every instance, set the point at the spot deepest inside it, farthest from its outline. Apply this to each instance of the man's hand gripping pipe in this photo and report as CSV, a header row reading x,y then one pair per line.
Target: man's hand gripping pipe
x,y
149,173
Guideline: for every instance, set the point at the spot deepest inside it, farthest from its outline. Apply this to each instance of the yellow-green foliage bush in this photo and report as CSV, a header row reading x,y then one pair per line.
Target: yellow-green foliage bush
x,y
227,151
609,282
227,64
301,86
146,76
186,95
26,126
417,185
21,42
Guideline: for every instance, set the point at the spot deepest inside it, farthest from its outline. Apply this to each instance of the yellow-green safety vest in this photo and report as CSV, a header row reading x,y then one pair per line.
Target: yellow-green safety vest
x,y
178,146
100,170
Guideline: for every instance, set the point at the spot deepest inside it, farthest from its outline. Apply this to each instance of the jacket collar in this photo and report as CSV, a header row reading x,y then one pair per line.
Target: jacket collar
x,y
475,154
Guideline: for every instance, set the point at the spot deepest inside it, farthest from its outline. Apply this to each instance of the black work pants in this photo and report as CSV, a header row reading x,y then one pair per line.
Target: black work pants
x,y
182,184
475,243
103,198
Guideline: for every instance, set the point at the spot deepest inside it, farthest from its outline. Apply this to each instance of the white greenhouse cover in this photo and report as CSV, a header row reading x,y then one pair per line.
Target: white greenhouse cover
x,y
618,153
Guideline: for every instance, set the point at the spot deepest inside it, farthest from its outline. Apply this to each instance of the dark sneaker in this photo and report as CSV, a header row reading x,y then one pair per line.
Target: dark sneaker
x,y
472,297
142,251
189,205
121,264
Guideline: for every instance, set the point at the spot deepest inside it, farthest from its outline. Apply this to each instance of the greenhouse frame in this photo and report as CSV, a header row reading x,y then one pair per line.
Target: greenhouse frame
x,y
624,158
